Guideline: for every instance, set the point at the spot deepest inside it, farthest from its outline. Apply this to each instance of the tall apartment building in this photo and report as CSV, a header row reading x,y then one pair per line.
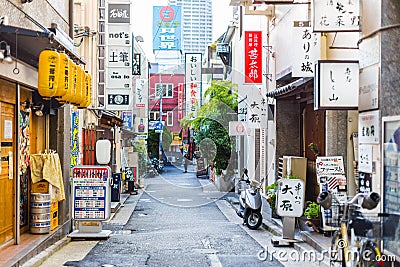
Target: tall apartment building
x,y
196,24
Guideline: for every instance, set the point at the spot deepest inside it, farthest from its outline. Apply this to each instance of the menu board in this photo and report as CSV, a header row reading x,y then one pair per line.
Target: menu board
x,y
91,193
330,172
330,175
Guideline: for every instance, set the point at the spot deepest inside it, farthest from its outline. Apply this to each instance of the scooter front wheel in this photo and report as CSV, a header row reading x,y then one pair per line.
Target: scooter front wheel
x,y
253,219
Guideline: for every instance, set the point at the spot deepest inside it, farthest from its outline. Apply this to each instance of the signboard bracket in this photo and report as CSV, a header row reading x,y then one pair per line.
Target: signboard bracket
x,y
288,239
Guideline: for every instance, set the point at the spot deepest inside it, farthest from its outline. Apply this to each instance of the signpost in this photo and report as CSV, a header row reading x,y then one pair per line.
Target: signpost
x,y
290,204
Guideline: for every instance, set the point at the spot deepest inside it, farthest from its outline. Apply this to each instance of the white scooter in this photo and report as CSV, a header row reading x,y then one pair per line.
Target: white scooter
x,y
250,202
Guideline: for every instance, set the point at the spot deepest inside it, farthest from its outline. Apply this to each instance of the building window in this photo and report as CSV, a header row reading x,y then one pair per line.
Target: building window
x,y
170,118
154,115
167,88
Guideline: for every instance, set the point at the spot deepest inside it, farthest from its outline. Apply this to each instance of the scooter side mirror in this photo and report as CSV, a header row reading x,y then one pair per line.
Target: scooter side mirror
x,y
371,201
245,171
325,200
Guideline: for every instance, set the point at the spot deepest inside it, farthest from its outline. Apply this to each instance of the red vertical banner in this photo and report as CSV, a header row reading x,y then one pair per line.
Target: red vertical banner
x,y
180,101
253,56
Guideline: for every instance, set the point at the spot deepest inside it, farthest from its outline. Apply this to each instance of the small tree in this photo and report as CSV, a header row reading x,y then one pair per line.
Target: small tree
x,y
140,147
154,141
212,121
152,144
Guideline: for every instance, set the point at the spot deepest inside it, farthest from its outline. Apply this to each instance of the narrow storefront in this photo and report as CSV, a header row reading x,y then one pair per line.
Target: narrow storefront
x,y
30,124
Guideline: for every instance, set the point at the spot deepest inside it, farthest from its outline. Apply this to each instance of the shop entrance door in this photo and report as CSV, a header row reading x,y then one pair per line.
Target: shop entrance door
x,y
7,182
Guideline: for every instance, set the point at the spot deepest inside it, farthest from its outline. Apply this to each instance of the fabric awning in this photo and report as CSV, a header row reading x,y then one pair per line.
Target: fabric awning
x,y
26,44
289,88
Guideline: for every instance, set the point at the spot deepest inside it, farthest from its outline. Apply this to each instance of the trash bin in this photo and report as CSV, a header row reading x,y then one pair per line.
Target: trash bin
x,y
116,187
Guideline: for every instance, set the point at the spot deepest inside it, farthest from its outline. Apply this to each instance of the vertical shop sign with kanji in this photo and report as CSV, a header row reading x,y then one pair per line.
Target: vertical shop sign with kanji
x,y
136,64
253,57
118,64
75,139
337,84
365,158
119,56
141,97
180,101
336,15
192,81
369,127
253,108
306,49
290,198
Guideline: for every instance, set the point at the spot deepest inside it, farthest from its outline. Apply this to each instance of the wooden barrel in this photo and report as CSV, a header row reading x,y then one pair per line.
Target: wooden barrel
x,y
40,213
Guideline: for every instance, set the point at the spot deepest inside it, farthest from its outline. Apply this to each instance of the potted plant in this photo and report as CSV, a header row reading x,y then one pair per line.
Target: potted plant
x,y
311,216
270,193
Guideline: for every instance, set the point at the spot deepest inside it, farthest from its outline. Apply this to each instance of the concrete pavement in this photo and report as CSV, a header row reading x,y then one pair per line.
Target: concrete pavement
x,y
75,251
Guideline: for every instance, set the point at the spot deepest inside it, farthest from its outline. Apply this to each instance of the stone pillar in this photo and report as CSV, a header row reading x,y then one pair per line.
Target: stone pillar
x,y
288,132
336,136
390,58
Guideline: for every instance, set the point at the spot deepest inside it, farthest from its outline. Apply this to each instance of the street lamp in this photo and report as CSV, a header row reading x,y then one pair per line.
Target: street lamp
x,y
5,54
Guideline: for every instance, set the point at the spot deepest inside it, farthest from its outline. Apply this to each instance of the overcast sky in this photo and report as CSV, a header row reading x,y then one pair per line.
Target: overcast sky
x,y
143,20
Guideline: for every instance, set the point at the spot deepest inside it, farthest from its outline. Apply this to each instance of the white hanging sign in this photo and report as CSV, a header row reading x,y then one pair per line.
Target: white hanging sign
x,y
336,16
368,127
119,56
365,158
369,87
192,81
118,99
238,128
256,108
140,94
119,35
119,78
337,85
306,49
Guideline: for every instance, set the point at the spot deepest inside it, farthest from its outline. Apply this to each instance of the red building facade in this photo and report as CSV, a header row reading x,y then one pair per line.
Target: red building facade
x,y
172,85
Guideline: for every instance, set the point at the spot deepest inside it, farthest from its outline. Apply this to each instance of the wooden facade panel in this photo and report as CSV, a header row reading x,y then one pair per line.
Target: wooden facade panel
x,y
314,132
8,92
7,174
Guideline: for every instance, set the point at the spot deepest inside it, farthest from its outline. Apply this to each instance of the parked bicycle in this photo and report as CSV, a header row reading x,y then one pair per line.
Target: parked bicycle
x,y
352,244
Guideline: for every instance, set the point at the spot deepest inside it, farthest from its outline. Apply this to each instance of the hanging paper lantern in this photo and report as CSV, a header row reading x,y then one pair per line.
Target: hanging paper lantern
x,y
88,86
68,95
83,87
84,90
48,73
74,83
63,81
78,95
